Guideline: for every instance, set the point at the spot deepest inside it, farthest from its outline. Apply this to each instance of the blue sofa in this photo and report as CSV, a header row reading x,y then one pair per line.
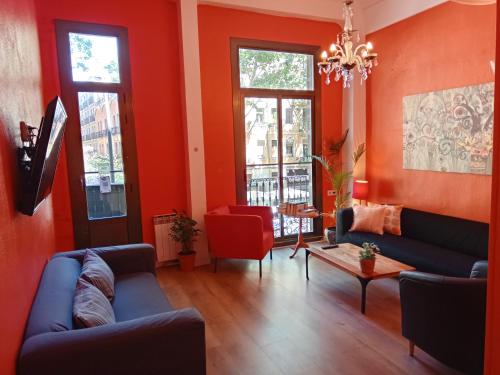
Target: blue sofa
x,y
149,336
430,242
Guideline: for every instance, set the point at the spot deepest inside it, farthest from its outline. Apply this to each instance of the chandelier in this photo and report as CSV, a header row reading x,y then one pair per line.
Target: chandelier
x,y
343,57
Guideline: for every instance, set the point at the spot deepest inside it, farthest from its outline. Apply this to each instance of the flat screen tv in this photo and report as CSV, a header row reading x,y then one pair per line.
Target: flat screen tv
x,y
37,183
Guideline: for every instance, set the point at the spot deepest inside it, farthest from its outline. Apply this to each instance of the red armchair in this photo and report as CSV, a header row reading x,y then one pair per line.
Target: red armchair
x,y
240,232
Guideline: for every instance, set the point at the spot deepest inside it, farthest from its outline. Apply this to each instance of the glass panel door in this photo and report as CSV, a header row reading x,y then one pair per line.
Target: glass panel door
x,y
278,157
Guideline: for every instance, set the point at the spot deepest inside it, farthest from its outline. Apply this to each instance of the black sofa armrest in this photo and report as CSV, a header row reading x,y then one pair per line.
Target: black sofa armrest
x,y
445,317
345,218
167,343
121,259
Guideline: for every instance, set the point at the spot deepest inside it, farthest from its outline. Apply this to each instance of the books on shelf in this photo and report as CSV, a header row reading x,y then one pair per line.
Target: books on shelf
x,y
297,209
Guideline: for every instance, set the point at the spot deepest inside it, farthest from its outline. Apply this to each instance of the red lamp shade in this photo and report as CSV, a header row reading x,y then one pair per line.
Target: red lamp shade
x,y
360,190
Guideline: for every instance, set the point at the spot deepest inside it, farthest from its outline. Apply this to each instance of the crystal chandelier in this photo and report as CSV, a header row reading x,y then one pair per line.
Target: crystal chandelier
x,y
343,57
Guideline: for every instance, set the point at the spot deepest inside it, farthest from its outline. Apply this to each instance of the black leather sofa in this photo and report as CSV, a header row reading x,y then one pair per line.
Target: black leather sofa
x,y
149,336
446,316
430,242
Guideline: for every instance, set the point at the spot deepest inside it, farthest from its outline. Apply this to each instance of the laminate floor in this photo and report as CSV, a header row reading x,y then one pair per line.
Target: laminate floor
x,y
282,324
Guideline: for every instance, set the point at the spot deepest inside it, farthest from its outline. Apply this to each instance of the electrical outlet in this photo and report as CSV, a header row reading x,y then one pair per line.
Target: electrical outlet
x,y
330,193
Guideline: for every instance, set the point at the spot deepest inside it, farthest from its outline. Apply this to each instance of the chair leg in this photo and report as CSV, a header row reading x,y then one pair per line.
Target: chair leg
x,y
215,265
412,349
271,254
260,269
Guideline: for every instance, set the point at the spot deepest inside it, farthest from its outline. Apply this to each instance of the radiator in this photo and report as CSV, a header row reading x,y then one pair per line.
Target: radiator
x,y
166,248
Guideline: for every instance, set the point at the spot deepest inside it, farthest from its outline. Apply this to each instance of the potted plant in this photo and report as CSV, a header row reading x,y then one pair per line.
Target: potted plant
x,y
339,178
184,231
367,257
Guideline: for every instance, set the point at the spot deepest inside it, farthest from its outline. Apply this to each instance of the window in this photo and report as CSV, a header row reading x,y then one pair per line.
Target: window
x,y
274,92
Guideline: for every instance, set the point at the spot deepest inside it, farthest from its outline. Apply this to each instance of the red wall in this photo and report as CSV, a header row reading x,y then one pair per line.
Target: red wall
x,y
21,258
492,357
154,56
216,27
447,46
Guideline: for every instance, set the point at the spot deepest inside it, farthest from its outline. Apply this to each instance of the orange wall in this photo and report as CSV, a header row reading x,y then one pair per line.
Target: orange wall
x,y
25,242
447,46
154,56
216,27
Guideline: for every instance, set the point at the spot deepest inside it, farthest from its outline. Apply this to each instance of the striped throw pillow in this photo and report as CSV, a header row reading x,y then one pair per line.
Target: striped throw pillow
x,y
97,272
90,307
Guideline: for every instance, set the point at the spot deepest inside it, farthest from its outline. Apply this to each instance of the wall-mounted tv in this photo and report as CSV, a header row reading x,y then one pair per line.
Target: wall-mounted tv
x,y
40,168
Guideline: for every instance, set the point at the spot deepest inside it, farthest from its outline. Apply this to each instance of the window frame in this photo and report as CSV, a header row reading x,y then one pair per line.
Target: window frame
x,y
239,94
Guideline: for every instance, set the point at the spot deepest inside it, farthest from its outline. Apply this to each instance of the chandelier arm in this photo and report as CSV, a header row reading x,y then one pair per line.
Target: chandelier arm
x,y
365,46
339,50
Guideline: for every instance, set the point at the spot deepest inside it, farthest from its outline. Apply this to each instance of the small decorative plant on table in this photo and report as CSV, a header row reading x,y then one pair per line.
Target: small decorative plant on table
x,y
184,231
367,257
339,178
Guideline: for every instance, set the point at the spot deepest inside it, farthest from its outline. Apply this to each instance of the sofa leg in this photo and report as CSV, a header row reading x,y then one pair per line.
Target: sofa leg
x,y
412,349
260,269
215,265
271,254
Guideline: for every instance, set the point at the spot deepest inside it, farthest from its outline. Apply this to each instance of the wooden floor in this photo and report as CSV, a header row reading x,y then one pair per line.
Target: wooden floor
x,y
282,324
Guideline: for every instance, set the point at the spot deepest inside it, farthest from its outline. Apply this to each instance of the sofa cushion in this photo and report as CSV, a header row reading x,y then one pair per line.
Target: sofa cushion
x,y
138,295
97,272
368,219
423,256
465,236
91,308
53,305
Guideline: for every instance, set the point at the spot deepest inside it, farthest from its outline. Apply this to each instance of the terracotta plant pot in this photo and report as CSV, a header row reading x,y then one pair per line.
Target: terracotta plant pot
x,y
186,261
367,265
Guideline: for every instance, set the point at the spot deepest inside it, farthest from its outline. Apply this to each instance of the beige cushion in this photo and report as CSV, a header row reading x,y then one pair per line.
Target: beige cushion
x,y
368,219
97,272
91,308
392,219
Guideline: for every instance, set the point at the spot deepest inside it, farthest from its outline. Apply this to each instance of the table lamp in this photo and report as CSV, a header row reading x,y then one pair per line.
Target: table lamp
x,y
360,190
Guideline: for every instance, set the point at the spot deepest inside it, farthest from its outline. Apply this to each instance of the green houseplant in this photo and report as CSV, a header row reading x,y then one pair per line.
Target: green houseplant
x,y
184,231
338,176
367,256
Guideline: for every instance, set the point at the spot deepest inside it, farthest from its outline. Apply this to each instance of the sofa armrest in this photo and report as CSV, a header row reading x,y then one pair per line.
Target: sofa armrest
x,y
167,343
345,218
121,259
445,317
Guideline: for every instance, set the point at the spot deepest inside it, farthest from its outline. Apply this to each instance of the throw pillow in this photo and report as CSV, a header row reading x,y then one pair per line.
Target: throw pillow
x,y
91,308
392,219
368,219
97,272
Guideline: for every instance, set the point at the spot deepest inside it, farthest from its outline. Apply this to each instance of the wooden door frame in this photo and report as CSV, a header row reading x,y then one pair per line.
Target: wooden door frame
x,y
73,140
238,110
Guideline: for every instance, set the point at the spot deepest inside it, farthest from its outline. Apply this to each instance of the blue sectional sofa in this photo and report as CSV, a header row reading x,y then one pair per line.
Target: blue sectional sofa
x,y
149,336
430,242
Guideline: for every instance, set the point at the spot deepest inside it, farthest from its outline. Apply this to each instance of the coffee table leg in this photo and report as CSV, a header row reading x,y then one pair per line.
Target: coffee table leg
x,y
364,283
307,263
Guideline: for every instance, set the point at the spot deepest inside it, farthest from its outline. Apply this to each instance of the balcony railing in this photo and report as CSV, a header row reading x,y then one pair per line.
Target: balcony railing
x,y
296,189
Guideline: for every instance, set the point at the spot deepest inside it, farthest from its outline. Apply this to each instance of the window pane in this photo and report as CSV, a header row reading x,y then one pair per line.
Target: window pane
x,y
276,70
297,130
102,155
261,130
263,190
94,58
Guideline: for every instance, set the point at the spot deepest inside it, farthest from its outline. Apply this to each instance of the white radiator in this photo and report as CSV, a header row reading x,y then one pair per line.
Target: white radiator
x,y
166,248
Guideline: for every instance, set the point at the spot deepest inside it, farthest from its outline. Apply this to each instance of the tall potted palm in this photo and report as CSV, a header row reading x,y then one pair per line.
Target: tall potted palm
x,y
184,231
338,176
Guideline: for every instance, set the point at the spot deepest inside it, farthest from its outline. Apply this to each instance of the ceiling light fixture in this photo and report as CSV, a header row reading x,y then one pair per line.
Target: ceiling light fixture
x,y
343,57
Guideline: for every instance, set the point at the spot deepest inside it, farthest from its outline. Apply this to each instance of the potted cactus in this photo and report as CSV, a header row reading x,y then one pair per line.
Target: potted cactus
x,y
184,231
367,257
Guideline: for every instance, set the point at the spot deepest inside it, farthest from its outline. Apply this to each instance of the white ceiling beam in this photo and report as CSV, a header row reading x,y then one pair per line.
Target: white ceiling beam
x,y
387,12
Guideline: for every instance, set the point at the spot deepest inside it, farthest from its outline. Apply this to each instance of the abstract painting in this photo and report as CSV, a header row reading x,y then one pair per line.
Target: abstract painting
x,y
449,130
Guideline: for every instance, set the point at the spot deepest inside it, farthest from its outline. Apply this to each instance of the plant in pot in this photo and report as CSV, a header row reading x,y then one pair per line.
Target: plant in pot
x,y
338,176
184,231
367,257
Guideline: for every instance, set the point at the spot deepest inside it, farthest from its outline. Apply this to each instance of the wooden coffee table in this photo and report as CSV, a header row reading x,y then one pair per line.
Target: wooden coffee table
x,y
346,258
